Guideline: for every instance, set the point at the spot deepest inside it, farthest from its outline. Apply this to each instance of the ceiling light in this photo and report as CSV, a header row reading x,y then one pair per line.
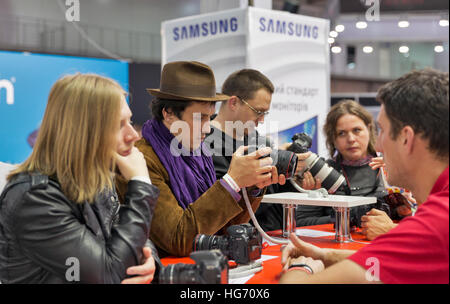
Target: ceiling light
x,y
367,49
336,49
361,25
403,49
443,22
333,34
403,23
339,28
331,40
439,48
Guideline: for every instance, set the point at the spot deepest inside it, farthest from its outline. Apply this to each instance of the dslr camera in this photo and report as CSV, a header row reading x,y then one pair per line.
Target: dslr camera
x,y
331,179
242,243
211,267
284,161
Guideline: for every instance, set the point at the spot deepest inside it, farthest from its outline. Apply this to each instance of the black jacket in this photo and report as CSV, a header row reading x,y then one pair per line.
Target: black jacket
x,y
44,236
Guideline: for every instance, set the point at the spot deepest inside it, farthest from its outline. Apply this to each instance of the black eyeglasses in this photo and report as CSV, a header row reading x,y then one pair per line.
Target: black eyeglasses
x,y
258,113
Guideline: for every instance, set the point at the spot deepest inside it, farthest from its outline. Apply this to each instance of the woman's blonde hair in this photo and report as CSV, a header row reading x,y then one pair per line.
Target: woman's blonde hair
x,y
76,140
352,107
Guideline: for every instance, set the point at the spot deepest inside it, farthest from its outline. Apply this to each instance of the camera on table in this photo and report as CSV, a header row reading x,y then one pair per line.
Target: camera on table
x,y
331,179
243,243
284,161
211,267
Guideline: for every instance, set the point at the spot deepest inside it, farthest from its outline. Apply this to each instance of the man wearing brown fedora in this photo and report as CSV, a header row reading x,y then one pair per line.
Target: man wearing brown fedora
x,y
191,200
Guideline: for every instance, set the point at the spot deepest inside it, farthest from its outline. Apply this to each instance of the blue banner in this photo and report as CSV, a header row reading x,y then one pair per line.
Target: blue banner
x,y
25,82
310,127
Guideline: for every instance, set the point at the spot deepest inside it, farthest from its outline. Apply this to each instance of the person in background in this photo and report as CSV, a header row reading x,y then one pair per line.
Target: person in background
x,y
413,137
250,95
60,219
192,201
350,139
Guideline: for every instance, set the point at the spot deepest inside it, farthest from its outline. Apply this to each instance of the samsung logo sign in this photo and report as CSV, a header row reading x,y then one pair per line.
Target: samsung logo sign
x,y
205,29
8,86
288,28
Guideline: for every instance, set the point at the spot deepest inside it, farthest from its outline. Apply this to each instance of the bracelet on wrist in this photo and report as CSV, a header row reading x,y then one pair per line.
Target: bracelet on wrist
x,y
230,181
302,267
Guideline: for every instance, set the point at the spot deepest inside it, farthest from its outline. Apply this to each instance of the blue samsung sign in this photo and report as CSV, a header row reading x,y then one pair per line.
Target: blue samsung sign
x,y
25,82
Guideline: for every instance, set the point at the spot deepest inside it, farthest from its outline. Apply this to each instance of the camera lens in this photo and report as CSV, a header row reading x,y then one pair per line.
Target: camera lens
x,y
211,267
205,242
178,274
285,161
210,242
331,179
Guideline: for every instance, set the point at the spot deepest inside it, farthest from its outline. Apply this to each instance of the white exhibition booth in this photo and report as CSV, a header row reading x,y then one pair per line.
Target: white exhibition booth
x,y
291,50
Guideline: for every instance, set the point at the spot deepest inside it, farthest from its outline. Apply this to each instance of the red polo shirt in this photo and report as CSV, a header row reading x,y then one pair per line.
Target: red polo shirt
x,y
416,251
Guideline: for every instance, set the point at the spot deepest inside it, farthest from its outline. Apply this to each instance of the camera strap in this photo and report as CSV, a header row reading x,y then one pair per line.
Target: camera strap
x,y
245,270
375,186
255,221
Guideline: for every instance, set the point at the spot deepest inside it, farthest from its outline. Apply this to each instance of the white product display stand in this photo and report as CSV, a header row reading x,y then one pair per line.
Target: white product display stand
x,y
340,203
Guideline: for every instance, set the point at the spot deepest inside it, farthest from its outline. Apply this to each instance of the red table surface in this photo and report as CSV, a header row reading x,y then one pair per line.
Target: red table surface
x,y
272,268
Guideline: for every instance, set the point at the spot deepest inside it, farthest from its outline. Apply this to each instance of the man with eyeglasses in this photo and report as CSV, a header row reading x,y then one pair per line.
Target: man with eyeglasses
x,y
238,117
235,125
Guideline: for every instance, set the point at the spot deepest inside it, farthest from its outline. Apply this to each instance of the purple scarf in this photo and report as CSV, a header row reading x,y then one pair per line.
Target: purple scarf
x,y
190,176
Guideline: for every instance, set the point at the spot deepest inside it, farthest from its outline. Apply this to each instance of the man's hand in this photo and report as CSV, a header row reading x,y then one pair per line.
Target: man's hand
x,y
309,182
144,273
275,179
375,223
301,161
297,248
316,265
249,170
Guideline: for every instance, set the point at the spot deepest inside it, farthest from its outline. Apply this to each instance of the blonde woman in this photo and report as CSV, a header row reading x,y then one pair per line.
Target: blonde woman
x,y
60,219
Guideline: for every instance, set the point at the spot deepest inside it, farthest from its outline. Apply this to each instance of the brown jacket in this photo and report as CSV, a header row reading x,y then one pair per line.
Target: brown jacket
x,y
174,229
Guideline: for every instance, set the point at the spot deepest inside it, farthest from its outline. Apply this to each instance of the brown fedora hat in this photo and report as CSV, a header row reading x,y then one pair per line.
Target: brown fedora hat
x,y
187,80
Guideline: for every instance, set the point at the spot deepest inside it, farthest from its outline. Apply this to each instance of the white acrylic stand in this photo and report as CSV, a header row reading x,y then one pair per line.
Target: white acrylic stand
x,y
340,203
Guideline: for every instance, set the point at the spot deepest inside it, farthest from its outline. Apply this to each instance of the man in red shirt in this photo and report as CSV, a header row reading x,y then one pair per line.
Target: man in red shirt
x,y
413,137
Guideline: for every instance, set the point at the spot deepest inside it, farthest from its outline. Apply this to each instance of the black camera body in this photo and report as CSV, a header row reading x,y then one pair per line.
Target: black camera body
x,y
331,179
211,267
242,244
301,143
